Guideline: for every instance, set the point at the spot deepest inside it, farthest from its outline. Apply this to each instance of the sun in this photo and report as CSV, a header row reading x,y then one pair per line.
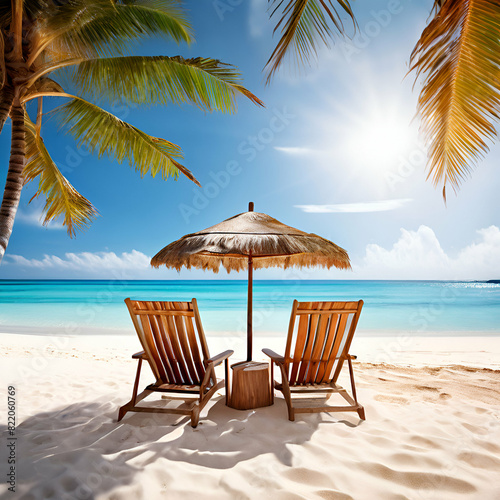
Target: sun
x,y
379,140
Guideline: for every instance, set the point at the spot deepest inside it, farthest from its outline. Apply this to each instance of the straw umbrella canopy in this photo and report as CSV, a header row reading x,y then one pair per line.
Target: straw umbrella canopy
x,y
251,240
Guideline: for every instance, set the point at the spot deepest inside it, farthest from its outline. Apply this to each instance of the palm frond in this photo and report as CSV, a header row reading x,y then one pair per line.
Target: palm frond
x,y
104,133
105,28
303,23
207,83
44,84
3,72
62,199
458,56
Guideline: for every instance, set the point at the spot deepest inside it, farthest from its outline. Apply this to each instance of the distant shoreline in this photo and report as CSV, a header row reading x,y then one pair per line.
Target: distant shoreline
x,y
232,280
86,331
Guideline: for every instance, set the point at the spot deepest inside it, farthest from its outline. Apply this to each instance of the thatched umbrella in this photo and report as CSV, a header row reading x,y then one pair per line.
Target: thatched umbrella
x,y
251,240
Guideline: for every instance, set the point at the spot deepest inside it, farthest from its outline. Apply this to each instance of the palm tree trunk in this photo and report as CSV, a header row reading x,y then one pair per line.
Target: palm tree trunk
x,y
14,183
6,99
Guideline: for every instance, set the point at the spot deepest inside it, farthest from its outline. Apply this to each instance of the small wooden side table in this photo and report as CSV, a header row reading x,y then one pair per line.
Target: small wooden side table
x,y
251,386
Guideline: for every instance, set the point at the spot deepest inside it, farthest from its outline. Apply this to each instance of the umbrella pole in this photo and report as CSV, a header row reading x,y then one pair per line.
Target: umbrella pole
x,y
249,307
250,298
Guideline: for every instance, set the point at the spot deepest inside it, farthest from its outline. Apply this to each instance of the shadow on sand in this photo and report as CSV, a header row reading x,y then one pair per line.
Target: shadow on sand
x,y
81,452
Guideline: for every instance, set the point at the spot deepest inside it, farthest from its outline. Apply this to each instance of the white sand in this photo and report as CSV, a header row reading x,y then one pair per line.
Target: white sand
x,y
432,432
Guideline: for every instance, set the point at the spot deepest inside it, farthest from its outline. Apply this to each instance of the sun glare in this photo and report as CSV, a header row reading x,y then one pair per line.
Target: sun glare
x,y
371,132
379,141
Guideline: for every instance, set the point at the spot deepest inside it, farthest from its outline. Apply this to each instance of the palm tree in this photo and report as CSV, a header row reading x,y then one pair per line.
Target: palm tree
x,y
457,57
84,43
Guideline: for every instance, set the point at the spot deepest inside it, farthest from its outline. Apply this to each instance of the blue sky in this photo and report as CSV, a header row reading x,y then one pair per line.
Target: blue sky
x,y
335,152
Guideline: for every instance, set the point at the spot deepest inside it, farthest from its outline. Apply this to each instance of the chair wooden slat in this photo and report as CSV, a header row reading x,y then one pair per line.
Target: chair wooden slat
x,y
319,345
332,329
173,374
201,332
306,359
179,359
298,353
161,343
339,335
172,359
195,350
185,346
168,312
170,367
188,389
306,312
291,327
152,351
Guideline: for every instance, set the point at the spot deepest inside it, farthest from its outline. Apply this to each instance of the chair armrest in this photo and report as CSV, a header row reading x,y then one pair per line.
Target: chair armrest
x,y
219,358
352,356
280,360
140,355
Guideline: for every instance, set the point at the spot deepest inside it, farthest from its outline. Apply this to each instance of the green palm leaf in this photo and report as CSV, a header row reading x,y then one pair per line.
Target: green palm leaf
x,y
207,83
458,56
303,23
62,199
92,28
106,134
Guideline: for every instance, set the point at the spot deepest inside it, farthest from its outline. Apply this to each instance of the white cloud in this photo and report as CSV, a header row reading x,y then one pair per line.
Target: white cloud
x,y
485,253
415,255
413,252
35,218
88,264
419,255
97,265
374,206
294,150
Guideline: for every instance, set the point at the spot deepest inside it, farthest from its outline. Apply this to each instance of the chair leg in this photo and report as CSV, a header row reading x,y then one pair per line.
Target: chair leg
x,y
272,382
195,416
125,408
205,398
122,411
361,410
226,381
351,374
287,395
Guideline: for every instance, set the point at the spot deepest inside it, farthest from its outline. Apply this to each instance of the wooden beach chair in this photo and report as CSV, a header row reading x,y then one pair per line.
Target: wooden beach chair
x,y
319,337
177,353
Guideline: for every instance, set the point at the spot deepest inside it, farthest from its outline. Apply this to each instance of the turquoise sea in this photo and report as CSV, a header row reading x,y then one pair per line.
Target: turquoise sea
x,y
391,307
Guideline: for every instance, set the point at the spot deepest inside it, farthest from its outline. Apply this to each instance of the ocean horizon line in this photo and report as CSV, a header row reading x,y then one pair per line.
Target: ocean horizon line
x,y
101,280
